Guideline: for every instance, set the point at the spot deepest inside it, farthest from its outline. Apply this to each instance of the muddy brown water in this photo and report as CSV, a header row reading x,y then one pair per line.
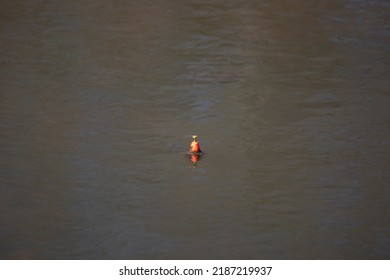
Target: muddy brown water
x,y
290,100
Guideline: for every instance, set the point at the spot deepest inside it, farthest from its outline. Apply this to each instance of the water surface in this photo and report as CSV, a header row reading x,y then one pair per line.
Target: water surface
x,y
289,98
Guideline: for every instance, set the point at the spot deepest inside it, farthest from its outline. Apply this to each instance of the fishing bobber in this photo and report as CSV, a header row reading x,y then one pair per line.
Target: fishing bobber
x,y
195,147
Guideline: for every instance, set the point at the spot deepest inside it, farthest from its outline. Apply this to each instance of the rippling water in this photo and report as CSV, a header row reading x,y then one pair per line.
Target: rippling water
x,y
289,98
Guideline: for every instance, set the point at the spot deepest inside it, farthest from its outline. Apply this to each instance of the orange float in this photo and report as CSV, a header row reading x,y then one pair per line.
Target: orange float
x,y
194,152
195,147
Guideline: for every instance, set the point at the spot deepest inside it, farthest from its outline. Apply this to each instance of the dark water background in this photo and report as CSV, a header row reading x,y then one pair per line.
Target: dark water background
x,y
290,100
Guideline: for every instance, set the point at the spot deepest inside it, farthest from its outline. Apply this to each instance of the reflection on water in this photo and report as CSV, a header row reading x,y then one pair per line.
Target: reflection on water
x,y
194,159
289,99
